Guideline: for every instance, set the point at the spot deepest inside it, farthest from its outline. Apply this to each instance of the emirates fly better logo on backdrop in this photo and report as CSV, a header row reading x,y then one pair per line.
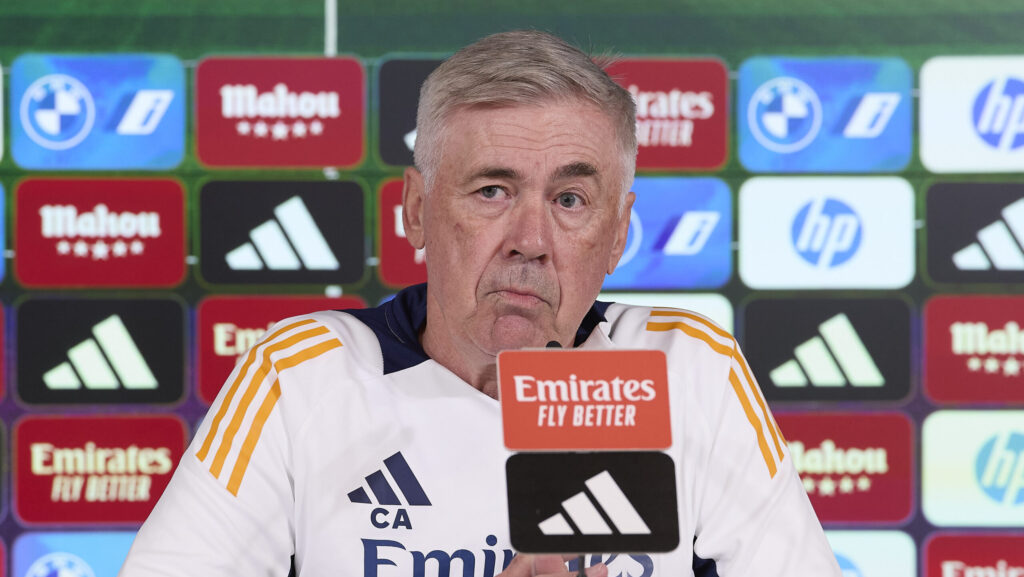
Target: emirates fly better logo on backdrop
x,y
109,469
682,111
280,111
102,233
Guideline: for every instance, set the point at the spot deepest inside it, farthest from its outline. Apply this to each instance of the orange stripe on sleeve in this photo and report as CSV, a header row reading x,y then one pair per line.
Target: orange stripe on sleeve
x,y
215,425
254,435
686,314
762,443
693,332
267,406
756,393
306,354
250,392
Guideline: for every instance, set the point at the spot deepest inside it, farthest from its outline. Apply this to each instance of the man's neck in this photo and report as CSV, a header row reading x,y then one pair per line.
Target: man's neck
x,y
481,373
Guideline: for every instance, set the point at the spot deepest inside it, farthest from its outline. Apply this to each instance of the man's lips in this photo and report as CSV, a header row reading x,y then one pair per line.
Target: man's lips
x,y
519,297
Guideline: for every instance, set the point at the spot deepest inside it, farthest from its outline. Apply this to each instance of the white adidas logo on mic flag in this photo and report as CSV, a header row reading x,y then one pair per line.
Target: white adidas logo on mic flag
x,y
996,245
816,360
109,361
276,242
585,515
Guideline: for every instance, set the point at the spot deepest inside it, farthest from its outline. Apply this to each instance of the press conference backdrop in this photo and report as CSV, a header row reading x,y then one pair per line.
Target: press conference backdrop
x,y
842,185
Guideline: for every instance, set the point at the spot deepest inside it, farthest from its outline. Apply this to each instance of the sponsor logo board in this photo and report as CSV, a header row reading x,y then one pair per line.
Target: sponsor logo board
x,y
963,555
974,349
399,82
100,233
274,232
70,554
829,349
584,400
873,553
259,112
856,467
975,232
682,111
97,112
229,326
400,263
973,468
97,470
714,306
826,233
972,114
680,235
105,351
824,114
600,502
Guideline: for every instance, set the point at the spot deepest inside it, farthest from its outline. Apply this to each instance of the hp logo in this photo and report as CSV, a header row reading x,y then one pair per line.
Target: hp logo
x,y
847,567
998,114
999,468
826,232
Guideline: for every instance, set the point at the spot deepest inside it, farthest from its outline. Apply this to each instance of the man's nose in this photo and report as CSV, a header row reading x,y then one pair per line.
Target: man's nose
x,y
529,229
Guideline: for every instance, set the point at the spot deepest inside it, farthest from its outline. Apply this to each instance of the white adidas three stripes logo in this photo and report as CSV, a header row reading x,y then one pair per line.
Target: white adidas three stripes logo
x,y
996,246
290,241
585,515
834,359
108,361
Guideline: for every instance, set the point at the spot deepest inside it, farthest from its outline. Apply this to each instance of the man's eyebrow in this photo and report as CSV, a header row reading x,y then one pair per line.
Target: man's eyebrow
x,y
494,172
575,170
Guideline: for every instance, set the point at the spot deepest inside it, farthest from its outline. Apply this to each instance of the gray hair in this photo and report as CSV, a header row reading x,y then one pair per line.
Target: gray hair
x,y
519,67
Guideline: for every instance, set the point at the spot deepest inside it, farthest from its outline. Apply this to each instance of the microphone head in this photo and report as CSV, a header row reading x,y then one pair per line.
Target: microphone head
x,y
554,345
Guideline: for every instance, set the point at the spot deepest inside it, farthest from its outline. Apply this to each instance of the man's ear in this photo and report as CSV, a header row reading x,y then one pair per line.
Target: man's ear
x,y
621,232
412,207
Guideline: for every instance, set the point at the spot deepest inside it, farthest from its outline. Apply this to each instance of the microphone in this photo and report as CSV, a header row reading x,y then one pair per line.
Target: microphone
x,y
553,345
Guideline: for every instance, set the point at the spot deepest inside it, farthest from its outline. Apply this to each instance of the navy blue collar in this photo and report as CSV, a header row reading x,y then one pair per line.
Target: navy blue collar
x,y
399,322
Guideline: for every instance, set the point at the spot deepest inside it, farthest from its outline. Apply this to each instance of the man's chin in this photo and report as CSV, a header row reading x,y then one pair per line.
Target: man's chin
x,y
511,332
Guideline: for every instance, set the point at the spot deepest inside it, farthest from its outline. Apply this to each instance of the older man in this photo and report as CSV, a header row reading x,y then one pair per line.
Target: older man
x,y
369,442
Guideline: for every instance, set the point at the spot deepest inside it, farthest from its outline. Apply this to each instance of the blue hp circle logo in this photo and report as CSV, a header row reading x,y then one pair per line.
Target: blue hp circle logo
x,y
57,111
784,115
999,468
998,114
826,232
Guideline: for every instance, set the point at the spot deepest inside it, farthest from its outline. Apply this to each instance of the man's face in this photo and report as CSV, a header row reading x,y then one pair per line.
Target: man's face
x,y
521,223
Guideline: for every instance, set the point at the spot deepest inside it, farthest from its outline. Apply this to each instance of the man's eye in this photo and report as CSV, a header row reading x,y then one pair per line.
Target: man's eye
x,y
569,200
490,191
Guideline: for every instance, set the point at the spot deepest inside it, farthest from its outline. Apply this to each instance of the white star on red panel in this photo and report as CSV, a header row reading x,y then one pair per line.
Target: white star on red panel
x,y
63,247
100,250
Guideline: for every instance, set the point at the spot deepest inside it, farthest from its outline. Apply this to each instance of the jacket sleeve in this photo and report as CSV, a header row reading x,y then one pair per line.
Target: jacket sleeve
x,y
754,516
229,508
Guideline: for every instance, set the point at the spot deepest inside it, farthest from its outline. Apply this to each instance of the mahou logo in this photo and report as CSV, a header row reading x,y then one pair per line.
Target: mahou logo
x,y
974,349
682,111
400,263
109,469
854,466
280,111
230,326
957,555
100,233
